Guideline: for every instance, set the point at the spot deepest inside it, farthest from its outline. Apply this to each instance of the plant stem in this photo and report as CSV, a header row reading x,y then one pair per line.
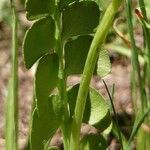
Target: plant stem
x,y
62,80
115,115
147,43
12,100
135,61
97,42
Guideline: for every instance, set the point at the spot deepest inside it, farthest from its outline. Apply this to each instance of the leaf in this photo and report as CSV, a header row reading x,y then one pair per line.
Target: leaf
x,y
64,3
39,40
96,110
44,126
37,9
100,115
46,79
103,64
107,131
72,95
93,141
80,18
76,53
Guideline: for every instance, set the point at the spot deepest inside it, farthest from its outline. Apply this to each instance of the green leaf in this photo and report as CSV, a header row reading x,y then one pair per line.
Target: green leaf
x,y
107,131
96,110
46,79
64,3
45,125
39,8
76,53
92,141
100,115
39,40
80,18
103,64
72,95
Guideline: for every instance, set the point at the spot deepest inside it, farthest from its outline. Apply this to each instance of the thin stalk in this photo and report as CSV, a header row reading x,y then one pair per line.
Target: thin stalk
x,y
115,115
12,100
97,42
137,125
141,138
133,86
62,80
144,143
147,41
134,59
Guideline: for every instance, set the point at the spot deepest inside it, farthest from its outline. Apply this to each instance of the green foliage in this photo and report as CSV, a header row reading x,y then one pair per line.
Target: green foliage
x,y
96,110
39,8
99,116
45,125
77,19
76,52
39,40
103,64
93,141
63,42
64,3
46,79
60,41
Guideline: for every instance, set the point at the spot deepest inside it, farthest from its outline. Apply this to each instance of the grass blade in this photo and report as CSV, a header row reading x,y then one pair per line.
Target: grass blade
x,y
12,99
115,115
137,125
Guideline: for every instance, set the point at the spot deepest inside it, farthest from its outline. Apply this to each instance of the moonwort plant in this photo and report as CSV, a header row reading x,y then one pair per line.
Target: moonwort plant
x,y
61,40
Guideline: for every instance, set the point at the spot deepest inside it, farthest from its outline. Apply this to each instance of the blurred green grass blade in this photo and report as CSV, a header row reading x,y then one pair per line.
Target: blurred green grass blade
x,y
139,120
115,132
11,130
115,115
146,33
134,58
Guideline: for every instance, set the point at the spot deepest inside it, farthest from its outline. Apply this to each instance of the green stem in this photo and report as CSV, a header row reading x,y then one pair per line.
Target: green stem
x,y
97,42
135,61
12,100
62,80
147,42
115,115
